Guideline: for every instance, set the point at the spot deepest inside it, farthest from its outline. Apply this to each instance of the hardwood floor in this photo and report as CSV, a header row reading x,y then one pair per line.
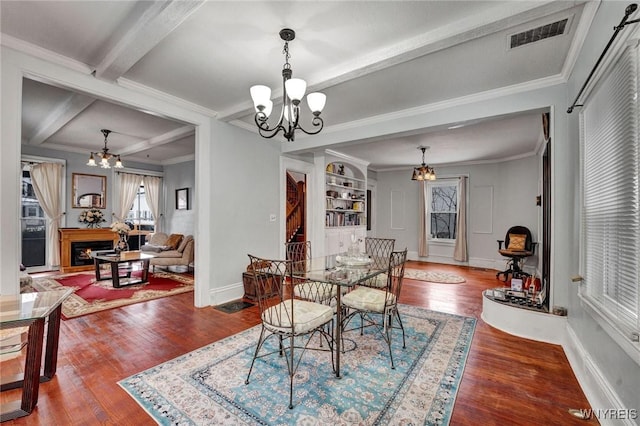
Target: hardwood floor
x,y
507,380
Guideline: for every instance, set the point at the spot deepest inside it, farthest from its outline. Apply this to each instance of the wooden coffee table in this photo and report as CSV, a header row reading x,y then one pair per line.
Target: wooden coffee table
x,y
122,265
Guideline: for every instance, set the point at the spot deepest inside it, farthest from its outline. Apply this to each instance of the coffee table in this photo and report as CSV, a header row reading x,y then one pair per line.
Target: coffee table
x,y
122,264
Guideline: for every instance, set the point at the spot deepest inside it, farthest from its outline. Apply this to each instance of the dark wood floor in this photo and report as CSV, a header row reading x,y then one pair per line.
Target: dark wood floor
x,y
507,380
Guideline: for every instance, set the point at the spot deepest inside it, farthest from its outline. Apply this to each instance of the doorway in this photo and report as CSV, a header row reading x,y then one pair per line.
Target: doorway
x,y
33,225
296,207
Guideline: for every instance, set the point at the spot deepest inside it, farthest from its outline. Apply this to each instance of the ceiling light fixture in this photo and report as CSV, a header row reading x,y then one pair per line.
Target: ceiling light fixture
x,y
105,155
423,172
292,93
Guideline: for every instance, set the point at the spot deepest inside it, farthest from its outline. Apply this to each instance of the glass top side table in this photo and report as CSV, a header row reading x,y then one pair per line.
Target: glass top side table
x,y
32,310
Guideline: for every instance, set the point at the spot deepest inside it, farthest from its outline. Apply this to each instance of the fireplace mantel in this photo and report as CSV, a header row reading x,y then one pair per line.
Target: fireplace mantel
x,y
73,235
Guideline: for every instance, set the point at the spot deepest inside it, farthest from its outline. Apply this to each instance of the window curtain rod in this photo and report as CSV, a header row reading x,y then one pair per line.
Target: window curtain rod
x,y
138,174
627,12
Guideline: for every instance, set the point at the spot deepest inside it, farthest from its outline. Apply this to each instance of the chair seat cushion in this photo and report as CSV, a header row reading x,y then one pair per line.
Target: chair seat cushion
x,y
307,316
315,291
379,281
516,253
368,299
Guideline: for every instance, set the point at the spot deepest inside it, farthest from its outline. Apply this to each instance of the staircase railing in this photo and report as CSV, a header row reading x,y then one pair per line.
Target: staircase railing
x,y
295,207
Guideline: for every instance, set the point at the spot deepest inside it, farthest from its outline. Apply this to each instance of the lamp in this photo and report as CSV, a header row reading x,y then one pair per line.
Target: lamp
x,y
104,155
423,172
292,93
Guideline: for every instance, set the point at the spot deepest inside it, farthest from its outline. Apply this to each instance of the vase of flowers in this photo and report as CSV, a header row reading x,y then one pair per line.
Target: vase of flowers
x,y
92,218
122,229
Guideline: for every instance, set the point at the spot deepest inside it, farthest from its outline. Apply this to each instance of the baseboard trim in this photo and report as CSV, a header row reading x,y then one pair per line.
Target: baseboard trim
x,y
596,387
220,295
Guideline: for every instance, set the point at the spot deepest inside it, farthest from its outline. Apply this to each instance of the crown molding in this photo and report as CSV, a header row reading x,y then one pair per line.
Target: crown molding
x,y
582,30
41,53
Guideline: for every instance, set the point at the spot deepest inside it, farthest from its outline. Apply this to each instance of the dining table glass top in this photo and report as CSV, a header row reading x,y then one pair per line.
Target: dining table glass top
x,y
340,269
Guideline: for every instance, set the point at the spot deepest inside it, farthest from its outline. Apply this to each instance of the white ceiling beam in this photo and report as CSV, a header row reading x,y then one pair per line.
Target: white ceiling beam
x,y
456,33
172,136
59,117
157,21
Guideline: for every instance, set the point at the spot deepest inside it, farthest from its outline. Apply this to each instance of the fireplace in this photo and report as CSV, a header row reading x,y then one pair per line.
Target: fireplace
x,y
75,258
81,251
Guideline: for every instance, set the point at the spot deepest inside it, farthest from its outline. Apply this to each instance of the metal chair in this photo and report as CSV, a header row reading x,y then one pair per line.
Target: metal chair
x,y
379,249
369,304
291,320
299,253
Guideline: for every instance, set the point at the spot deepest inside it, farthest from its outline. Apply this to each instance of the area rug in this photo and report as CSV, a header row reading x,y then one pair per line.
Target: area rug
x,y
92,296
433,276
207,386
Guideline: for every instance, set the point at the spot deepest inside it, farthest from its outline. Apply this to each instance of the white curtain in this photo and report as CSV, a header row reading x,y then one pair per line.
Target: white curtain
x,y
47,184
152,195
423,238
460,250
128,186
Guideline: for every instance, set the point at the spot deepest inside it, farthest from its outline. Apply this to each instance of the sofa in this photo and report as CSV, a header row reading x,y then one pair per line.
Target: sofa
x,y
170,250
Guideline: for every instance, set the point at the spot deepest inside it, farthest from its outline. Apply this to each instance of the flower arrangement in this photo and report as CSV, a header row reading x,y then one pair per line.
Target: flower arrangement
x,y
92,217
120,228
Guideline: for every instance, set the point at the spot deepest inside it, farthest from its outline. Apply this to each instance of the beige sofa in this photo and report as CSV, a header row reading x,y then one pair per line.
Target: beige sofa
x,y
180,256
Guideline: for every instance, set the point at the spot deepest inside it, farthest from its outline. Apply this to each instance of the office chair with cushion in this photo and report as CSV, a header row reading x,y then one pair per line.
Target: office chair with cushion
x,y
518,245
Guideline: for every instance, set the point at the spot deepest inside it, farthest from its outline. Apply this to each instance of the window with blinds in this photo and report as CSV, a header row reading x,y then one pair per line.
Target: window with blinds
x,y
610,210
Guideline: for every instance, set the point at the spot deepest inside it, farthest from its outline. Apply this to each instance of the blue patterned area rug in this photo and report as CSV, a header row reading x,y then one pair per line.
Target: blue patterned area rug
x,y
207,386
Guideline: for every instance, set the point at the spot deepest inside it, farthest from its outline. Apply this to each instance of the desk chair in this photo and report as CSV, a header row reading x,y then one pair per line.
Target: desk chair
x,y
518,245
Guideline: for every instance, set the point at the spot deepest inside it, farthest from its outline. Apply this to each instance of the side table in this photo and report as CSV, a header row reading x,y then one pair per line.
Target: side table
x,y
32,309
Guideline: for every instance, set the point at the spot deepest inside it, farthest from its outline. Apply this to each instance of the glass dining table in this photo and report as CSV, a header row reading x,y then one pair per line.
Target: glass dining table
x,y
344,272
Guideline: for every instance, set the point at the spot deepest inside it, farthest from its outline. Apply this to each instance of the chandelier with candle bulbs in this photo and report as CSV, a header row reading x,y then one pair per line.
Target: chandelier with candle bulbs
x,y
423,172
292,93
104,155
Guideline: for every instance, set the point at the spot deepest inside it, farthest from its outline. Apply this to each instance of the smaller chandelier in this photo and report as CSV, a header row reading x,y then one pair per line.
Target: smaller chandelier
x,y
105,155
292,93
423,172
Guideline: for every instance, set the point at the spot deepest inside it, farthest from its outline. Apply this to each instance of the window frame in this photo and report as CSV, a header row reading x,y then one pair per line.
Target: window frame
x,y
440,182
594,294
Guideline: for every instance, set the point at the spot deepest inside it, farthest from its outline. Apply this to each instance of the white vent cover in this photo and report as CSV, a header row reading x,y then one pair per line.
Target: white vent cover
x,y
539,33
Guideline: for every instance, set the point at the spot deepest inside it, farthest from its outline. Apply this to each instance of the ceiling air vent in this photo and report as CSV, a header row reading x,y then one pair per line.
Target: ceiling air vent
x,y
540,33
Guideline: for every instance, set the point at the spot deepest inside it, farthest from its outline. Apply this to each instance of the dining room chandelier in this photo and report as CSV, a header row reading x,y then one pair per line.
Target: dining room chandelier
x,y
105,156
292,93
423,172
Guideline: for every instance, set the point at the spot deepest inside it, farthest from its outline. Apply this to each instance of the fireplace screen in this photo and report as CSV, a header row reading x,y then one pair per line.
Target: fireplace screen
x,y
81,251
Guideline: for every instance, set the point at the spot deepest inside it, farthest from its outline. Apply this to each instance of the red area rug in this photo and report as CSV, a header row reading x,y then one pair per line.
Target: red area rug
x,y
92,296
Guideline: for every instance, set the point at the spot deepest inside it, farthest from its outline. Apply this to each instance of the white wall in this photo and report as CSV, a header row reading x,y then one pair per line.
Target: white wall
x,y
178,176
243,193
513,186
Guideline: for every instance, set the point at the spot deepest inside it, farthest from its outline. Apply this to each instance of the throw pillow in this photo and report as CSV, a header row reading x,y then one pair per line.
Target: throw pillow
x,y
516,241
173,241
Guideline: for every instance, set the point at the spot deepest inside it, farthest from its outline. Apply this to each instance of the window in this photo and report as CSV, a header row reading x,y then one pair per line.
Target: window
x,y
610,221
142,219
442,202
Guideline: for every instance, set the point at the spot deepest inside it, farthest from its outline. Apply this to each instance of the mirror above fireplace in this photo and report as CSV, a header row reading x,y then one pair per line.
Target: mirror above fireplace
x,y
89,191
